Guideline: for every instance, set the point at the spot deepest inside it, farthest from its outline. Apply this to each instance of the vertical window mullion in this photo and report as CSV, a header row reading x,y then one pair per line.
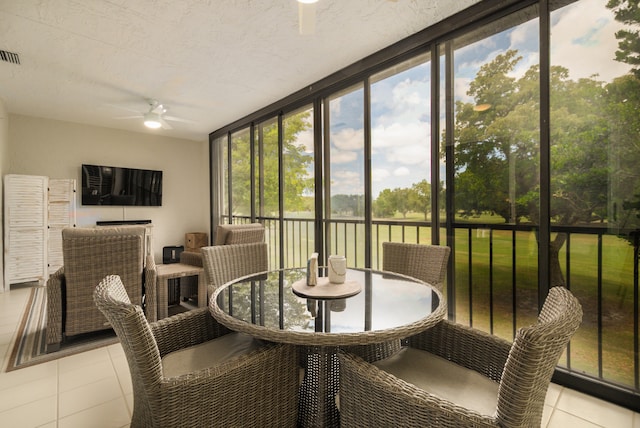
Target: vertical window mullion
x,y
229,179
252,172
367,174
450,175
435,145
281,236
544,271
318,170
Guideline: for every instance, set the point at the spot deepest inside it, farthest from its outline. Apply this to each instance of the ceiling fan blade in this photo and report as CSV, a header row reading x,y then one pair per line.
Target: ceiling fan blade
x,y
177,119
139,116
164,124
119,107
307,18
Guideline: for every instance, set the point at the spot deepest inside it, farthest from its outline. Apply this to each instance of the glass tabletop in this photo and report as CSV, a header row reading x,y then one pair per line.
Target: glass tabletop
x,y
266,306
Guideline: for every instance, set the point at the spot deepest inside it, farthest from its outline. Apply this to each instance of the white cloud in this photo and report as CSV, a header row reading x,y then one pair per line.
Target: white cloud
x,y
411,155
461,86
583,40
343,156
305,139
407,143
348,139
345,174
346,182
335,106
402,171
379,174
400,134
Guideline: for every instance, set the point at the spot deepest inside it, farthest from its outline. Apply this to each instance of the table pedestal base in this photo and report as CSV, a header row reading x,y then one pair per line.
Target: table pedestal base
x,y
317,397
317,406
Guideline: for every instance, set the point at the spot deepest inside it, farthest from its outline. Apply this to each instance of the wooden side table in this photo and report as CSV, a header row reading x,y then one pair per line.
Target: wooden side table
x,y
165,272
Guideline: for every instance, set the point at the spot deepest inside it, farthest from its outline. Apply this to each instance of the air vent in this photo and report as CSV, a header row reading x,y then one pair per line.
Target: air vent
x,y
11,57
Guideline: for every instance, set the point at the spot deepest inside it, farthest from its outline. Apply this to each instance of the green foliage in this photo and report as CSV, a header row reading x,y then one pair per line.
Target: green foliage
x,y
497,150
420,198
348,205
384,205
627,12
296,163
417,198
623,103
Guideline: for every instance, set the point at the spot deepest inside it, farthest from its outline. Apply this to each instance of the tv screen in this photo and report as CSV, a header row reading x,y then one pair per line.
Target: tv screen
x,y
109,185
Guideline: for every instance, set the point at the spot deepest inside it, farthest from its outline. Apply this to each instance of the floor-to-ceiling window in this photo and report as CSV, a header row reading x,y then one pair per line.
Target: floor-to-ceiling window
x,y
595,179
512,139
494,80
298,189
401,154
345,176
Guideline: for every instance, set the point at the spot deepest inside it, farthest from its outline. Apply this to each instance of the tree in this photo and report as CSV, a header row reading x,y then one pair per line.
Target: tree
x,y
420,198
384,205
623,109
627,12
296,164
402,200
348,205
623,106
497,150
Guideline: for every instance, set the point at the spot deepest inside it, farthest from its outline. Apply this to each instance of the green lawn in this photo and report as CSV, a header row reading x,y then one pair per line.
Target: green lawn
x,y
617,284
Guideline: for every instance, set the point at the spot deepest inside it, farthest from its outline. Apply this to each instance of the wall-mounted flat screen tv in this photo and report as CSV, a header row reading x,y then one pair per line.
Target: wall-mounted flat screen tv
x,y
109,185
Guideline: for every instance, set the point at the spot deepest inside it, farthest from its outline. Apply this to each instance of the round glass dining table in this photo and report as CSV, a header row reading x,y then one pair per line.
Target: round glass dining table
x,y
388,306
370,321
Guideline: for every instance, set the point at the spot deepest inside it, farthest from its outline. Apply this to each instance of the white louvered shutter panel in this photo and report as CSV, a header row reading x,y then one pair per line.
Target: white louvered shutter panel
x,y
62,213
25,210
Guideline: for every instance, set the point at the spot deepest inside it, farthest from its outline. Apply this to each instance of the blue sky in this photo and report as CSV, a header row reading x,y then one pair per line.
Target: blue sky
x,y
582,40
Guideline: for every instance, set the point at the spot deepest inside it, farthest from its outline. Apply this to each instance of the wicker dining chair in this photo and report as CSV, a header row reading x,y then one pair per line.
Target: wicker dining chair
x,y
223,263
90,254
189,371
232,234
226,234
427,263
454,376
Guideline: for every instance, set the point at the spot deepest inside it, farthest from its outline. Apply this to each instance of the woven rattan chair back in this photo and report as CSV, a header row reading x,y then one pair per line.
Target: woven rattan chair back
x,y
257,389
89,255
233,234
427,263
522,370
140,347
534,354
223,263
226,234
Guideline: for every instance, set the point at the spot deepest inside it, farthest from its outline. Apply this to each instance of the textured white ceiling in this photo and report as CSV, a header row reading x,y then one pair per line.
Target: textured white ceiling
x,y
209,61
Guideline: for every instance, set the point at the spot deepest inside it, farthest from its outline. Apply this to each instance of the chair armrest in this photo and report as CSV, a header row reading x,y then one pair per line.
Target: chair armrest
x,y
150,289
56,288
191,258
372,397
261,386
186,329
465,346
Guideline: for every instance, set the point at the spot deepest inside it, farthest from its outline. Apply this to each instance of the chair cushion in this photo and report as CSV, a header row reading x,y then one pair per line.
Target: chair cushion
x,y
208,354
442,378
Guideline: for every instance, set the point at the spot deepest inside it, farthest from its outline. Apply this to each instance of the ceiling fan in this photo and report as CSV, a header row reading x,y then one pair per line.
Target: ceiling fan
x,y
155,117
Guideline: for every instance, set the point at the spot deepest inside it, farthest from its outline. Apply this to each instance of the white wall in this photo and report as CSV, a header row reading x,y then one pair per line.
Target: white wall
x,y
58,149
4,162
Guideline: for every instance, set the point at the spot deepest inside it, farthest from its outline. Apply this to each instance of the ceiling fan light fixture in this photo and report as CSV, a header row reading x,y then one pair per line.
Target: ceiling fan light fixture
x,y
152,120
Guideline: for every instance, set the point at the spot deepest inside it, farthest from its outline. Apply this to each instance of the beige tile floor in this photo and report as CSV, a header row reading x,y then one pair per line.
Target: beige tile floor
x,y
93,389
